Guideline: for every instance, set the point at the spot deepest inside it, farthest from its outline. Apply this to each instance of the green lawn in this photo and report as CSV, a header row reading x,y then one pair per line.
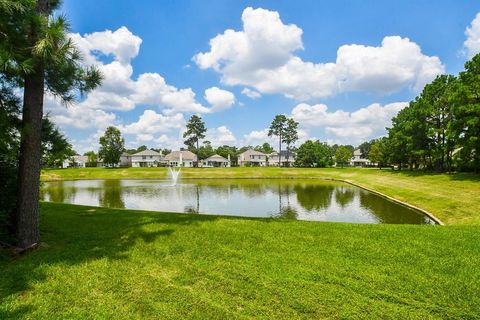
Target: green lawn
x,y
121,264
453,198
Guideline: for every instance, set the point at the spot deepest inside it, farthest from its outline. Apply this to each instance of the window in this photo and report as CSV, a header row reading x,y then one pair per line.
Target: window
x,y
144,157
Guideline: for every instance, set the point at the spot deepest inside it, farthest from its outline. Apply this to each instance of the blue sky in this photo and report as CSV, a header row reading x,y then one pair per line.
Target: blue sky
x,y
340,68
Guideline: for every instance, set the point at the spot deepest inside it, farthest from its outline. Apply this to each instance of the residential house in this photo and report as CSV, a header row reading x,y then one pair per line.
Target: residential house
x,y
252,158
358,160
125,160
216,161
183,158
146,158
76,161
284,162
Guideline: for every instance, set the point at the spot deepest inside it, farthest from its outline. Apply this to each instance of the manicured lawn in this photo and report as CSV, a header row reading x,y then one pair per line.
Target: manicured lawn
x,y
453,198
119,264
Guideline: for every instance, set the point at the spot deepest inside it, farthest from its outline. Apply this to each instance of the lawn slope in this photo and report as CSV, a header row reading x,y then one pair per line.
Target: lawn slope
x,y
124,264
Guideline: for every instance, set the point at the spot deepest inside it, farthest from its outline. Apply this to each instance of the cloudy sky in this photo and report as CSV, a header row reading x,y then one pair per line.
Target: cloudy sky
x,y
342,69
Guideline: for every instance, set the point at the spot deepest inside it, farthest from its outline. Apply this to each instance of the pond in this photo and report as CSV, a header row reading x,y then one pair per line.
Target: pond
x,y
314,200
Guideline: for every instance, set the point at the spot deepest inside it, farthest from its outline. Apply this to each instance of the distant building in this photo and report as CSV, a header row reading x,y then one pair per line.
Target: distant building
x,y
183,158
146,158
252,158
273,159
125,160
359,161
216,161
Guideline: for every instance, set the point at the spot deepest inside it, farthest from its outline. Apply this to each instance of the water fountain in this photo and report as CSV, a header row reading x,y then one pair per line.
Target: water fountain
x,y
173,175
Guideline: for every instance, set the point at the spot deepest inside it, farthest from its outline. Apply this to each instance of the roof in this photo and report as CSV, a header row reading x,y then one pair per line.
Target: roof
x,y
252,152
283,154
147,153
81,158
217,158
186,155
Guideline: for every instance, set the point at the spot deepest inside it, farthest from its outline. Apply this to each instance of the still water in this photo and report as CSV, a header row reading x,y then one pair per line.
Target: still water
x,y
292,199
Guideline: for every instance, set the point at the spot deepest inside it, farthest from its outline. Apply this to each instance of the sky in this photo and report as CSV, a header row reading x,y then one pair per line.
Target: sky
x,y
342,69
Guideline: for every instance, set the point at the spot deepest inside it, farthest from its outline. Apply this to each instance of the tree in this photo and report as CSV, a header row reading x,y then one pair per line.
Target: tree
x,y
378,152
195,131
265,148
38,55
277,128
343,155
290,135
205,151
92,158
228,152
55,146
314,154
111,146
365,148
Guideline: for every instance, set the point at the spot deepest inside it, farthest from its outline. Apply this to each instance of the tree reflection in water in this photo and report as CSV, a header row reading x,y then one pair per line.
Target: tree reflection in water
x,y
110,196
314,197
344,196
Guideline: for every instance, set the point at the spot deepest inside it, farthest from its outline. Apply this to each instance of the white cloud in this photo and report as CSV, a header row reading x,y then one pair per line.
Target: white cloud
x,y
219,99
252,94
472,44
262,56
220,136
119,91
151,122
350,127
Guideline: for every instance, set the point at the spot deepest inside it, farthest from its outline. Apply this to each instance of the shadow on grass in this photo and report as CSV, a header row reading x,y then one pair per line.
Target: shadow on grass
x,y
78,234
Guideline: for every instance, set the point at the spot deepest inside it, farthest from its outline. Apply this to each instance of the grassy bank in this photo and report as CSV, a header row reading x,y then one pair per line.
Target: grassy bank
x,y
453,198
110,263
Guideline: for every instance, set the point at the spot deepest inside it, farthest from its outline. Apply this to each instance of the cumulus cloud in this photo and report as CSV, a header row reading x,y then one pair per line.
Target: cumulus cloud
x,y
252,94
219,99
151,122
220,136
472,44
262,56
119,90
350,127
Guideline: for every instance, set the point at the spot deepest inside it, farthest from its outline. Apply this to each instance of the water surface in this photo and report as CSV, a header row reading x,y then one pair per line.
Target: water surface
x,y
314,200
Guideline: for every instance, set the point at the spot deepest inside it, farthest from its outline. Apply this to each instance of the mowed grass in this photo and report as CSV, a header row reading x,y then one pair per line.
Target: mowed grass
x,y
453,198
124,264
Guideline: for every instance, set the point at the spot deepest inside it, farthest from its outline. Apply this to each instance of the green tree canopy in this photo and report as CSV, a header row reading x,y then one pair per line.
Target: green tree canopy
x,y
314,154
195,131
111,146
343,155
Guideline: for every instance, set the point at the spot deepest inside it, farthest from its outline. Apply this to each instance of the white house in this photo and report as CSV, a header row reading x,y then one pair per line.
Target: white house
x,y
183,158
284,162
125,160
76,161
216,161
146,158
357,159
252,158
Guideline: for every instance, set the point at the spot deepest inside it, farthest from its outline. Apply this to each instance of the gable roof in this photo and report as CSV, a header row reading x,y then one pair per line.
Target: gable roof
x,y
250,152
186,155
147,152
217,158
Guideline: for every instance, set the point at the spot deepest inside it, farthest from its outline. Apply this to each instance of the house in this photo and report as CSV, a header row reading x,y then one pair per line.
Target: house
x,y
76,161
252,158
358,160
183,158
273,158
146,158
125,160
216,161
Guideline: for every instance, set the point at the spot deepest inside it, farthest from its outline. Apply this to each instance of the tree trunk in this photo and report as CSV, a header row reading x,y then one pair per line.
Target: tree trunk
x,y
288,155
279,151
27,217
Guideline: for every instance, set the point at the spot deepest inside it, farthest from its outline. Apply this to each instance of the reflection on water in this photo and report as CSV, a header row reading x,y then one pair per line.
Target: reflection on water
x,y
287,199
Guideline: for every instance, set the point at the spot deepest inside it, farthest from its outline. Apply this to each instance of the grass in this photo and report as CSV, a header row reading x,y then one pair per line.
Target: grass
x,y
453,198
124,264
